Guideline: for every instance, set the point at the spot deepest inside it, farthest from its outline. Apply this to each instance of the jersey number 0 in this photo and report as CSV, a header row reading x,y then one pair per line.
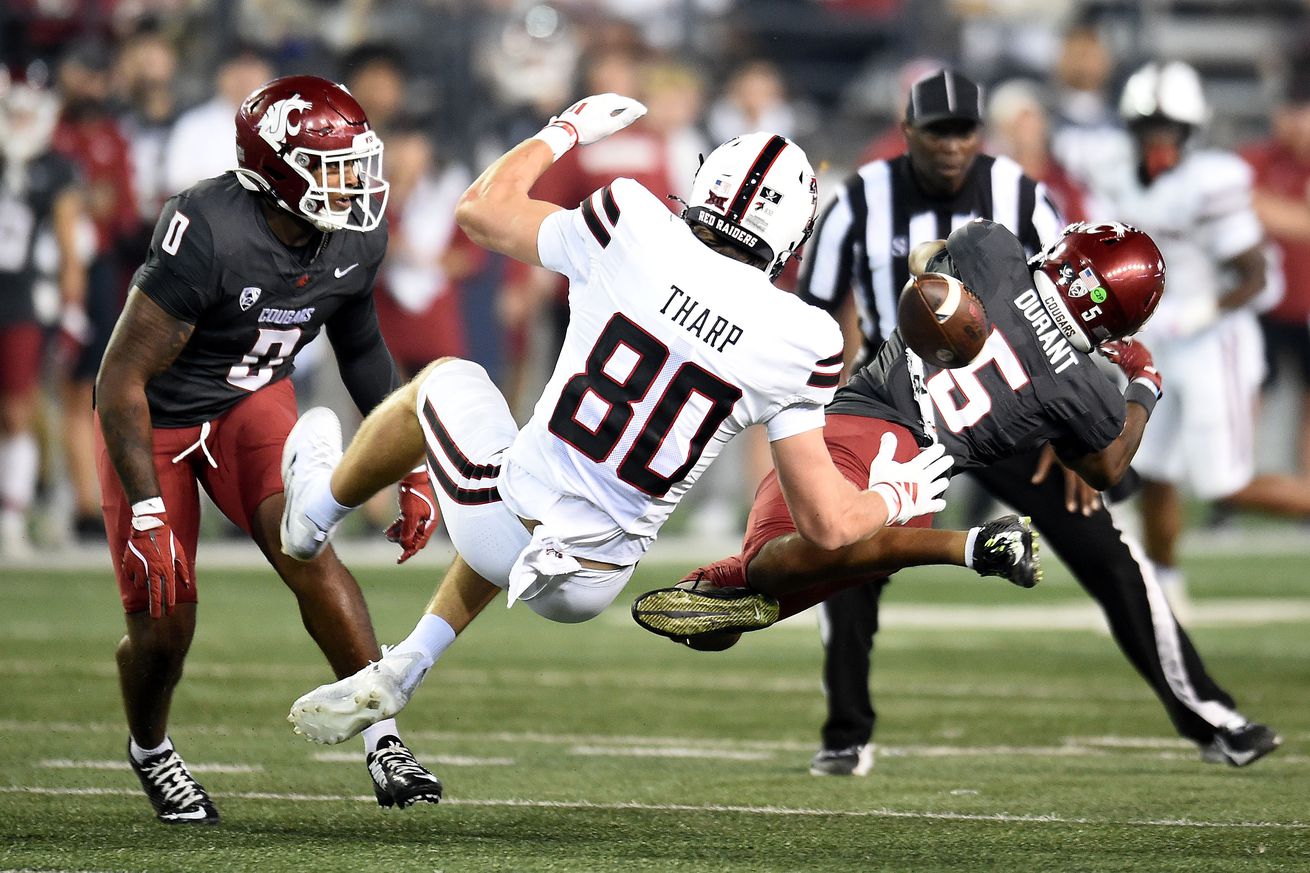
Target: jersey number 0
x,y
647,356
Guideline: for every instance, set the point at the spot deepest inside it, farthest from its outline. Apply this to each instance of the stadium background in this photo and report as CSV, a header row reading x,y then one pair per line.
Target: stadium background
x,y
1011,732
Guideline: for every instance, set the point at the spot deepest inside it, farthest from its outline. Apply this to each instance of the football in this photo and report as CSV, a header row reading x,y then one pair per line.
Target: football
x,y
942,320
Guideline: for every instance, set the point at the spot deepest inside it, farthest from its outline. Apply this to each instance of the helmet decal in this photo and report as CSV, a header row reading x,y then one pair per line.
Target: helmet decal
x,y
276,124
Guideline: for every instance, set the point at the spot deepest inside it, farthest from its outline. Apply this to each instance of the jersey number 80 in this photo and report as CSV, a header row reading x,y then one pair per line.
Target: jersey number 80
x,y
620,396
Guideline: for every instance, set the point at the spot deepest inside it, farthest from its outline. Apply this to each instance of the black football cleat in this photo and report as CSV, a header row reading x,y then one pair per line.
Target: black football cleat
x,y
398,778
174,793
1008,547
1238,747
694,609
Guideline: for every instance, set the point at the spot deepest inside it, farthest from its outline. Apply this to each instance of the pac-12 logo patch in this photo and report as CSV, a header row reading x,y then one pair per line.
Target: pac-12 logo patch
x,y
276,124
249,296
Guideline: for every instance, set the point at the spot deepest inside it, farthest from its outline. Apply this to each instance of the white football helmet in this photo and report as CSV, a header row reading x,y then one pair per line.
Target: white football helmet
x,y
1171,91
757,193
28,113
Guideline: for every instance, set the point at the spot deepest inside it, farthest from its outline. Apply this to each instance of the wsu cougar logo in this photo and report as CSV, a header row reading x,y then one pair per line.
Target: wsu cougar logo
x,y
276,124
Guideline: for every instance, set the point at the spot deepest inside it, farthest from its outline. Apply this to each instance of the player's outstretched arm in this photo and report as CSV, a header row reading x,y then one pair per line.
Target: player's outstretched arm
x,y
1105,468
832,513
496,211
144,343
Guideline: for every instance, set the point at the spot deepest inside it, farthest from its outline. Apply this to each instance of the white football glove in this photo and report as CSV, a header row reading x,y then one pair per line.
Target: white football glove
x,y
910,488
590,120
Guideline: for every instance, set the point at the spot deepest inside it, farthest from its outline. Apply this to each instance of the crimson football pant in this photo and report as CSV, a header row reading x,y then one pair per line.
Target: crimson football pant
x,y
1103,563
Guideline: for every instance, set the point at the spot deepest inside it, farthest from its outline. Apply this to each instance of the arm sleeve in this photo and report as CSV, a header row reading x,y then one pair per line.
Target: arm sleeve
x,y
1092,420
825,276
570,241
1046,218
794,419
366,367
1227,223
178,273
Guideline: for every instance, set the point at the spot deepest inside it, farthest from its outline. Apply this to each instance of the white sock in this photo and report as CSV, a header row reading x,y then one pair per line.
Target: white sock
x,y
969,540
375,732
139,754
19,458
431,636
321,507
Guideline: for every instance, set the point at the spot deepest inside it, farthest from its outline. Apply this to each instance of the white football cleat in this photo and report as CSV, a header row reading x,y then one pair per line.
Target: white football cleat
x,y
312,451
336,712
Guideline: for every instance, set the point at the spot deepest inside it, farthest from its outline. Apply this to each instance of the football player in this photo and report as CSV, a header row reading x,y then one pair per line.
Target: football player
x,y
244,269
1197,202
677,341
1034,382
39,193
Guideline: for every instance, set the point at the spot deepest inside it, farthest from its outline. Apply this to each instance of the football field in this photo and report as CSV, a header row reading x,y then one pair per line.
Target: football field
x,y
1012,736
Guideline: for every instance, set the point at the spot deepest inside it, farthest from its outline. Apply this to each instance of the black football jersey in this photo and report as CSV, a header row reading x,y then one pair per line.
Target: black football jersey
x,y
24,214
215,263
1026,388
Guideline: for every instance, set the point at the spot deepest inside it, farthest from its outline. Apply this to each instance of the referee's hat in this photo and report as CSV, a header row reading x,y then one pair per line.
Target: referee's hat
x,y
946,95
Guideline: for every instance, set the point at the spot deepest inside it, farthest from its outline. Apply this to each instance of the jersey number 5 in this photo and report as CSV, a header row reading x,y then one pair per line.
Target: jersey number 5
x,y
620,370
963,382
267,354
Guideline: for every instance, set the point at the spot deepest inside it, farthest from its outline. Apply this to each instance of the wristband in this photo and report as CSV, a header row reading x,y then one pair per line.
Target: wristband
x,y
149,506
890,498
1142,392
560,136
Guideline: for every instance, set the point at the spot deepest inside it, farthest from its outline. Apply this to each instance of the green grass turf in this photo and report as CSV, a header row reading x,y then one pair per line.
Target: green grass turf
x,y
985,757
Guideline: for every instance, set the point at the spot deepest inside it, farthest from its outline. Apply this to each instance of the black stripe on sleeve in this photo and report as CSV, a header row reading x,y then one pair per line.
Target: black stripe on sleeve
x,y
611,206
1027,234
824,380
751,184
593,223
832,361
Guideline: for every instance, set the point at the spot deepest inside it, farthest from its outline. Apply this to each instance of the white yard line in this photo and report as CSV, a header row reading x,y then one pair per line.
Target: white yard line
x,y
587,805
69,764
669,752
672,747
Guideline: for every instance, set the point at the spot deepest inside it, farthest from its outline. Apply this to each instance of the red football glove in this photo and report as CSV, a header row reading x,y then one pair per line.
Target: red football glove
x,y
418,515
154,558
1134,359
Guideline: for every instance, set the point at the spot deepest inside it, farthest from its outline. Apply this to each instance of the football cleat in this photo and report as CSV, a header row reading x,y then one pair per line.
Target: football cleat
x,y
174,793
398,778
850,761
695,608
312,450
1238,747
1008,547
336,712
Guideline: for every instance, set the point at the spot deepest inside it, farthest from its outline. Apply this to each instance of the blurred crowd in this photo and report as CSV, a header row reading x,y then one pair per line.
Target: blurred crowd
x,y
136,98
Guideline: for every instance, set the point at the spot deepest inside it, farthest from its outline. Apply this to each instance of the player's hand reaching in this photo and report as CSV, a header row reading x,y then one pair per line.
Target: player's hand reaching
x,y
153,557
910,488
418,515
1078,495
590,120
1134,359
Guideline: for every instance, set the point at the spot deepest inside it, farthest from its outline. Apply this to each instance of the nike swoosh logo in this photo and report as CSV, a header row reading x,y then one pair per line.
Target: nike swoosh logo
x,y
186,815
341,274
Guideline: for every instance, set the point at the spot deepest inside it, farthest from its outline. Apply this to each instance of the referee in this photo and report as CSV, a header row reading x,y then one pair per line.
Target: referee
x,y
861,250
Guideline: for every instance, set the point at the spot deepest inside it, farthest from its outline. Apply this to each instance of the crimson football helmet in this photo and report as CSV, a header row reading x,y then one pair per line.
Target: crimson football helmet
x,y
1099,282
306,143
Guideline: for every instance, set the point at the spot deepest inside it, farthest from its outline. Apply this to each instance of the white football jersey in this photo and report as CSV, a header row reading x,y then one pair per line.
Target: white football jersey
x,y
1199,214
671,350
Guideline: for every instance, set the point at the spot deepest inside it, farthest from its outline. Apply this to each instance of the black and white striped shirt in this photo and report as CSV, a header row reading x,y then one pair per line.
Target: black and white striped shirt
x,y
864,236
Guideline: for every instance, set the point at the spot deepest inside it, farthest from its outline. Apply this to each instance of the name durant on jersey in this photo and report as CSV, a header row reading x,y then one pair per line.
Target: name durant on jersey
x,y
719,335
1058,350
